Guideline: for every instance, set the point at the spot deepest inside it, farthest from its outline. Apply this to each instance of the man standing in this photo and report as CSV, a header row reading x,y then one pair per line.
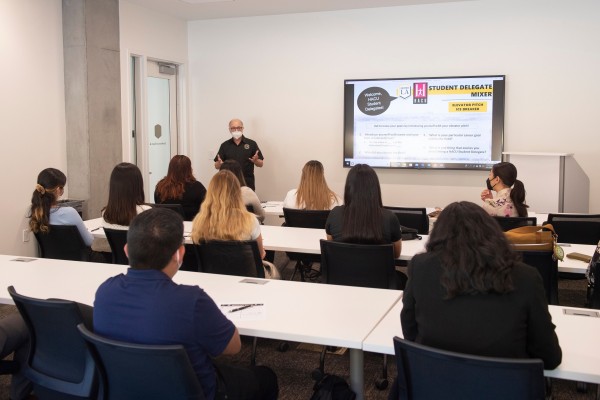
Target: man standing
x,y
243,150
145,306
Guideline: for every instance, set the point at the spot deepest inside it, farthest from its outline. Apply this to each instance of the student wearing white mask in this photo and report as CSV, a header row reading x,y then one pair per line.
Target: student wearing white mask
x,y
243,150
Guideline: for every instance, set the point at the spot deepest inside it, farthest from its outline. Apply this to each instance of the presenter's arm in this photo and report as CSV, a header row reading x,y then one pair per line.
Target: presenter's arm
x,y
256,160
218,162
234,345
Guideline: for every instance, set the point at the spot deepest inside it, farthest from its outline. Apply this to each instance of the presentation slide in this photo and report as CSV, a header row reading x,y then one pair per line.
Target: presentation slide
x,y
439,123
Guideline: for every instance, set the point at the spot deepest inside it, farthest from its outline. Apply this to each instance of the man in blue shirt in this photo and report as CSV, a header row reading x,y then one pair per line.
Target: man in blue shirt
x,y
145,306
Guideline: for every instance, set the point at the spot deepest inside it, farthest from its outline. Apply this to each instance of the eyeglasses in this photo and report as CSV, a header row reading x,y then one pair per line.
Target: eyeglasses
x,y
236,128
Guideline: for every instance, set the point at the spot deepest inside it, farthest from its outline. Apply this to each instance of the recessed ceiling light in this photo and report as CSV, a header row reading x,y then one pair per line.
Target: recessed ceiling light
x,y
206,1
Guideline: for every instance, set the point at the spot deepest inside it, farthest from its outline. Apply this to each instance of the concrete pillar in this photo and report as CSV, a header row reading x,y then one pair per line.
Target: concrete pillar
x,y
92,99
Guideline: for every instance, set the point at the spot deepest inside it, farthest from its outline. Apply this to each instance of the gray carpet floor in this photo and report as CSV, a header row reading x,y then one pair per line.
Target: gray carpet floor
x,y
294,366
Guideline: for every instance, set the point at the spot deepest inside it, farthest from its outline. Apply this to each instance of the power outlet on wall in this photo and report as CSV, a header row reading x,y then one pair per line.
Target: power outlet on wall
x,y
26,233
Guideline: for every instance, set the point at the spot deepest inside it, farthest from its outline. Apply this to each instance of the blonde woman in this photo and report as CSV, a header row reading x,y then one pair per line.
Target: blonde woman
x,y
313,192
223,216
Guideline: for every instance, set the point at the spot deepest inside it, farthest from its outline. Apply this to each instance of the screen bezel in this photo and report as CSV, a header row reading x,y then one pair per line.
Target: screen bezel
x,y
497,125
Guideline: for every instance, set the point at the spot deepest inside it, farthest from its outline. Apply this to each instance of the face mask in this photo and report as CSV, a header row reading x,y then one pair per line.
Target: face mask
x,y
488,184
236,134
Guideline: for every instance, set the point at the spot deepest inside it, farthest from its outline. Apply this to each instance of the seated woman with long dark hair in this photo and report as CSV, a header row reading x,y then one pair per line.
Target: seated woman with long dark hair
x,y
125,201
510,192
362,219
312,193
181,187
45,209
249,197
469,294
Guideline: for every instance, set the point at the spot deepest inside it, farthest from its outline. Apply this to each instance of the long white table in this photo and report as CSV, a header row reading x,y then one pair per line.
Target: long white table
x,y
304,240
295,311
284,238
577,335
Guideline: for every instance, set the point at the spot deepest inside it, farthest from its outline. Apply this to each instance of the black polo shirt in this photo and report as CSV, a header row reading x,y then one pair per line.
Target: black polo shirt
x,y
241,153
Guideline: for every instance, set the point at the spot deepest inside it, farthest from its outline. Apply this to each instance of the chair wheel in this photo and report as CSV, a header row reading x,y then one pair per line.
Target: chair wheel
x,y
581,387
283,347
316,374
381,384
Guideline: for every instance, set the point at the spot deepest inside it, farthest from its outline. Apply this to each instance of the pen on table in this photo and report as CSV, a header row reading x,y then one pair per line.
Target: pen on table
x,y
243,307
95,229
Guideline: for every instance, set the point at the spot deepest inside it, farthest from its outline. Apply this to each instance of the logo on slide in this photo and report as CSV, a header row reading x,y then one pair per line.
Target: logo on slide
x,y
420,93
404,91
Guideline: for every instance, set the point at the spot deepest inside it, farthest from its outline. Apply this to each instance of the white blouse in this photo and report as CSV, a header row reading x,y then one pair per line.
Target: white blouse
x,y
101,244
291,197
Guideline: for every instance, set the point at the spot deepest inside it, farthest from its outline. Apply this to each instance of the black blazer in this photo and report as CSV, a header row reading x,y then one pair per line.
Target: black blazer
x,y
515,325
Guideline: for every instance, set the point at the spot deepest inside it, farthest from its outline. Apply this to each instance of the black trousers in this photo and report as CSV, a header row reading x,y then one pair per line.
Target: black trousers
x,y
245,383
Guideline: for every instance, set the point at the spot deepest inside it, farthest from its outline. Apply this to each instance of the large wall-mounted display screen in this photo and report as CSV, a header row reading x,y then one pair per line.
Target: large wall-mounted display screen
x,y
424,123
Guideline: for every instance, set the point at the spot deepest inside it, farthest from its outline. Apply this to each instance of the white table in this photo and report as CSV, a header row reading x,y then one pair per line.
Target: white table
x,y
284,238
304,240
321,314
273,212
577,335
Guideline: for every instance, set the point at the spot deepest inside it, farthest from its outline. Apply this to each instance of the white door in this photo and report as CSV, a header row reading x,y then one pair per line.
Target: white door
x,y
161,122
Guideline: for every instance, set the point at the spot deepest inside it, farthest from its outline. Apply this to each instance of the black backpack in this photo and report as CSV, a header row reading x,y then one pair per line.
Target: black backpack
x,y
332,387
409,233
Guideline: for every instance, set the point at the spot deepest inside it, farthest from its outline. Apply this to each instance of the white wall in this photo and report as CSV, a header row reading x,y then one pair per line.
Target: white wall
x,y
151,35
283,75
32,109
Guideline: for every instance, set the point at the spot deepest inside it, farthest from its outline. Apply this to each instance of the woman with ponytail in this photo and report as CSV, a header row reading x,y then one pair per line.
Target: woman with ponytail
x,y
510,192
45,210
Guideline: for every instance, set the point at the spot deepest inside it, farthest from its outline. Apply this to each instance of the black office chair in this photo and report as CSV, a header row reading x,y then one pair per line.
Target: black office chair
x,y
593,291
428,373
411,217
178,208
547,266
362,265
117,238
62,242
314,219
231,257
137,371
59,364
508,223
576,228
